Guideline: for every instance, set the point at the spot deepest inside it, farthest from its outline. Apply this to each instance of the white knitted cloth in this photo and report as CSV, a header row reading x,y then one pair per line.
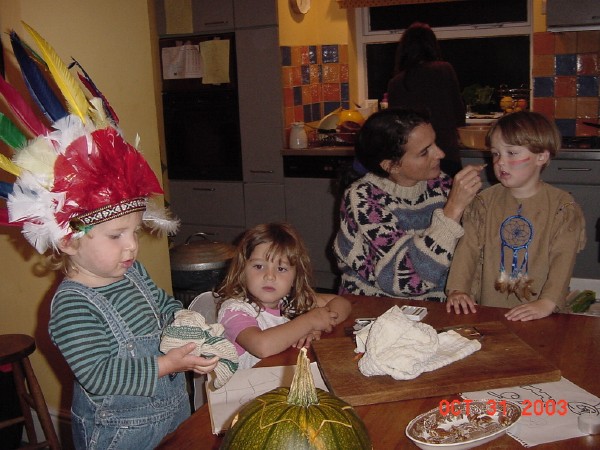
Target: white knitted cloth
x,y
190,326
397,346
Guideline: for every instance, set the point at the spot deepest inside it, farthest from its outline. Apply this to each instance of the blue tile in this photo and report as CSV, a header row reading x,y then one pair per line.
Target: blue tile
x,y
312,54
346,105
305,74
297,95
566,126
587,86
344,92
307,113
330,106
316,111
330,54
286,56
543,87
566,64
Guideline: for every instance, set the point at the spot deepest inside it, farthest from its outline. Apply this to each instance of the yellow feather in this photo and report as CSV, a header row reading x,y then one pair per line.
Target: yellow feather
x,y
76,101
9,166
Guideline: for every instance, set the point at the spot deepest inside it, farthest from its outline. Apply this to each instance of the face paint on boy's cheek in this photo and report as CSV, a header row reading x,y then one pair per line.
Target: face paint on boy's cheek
x,y
519,162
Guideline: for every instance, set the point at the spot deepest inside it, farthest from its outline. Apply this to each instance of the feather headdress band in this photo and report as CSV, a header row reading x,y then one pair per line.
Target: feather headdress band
x,y
77,171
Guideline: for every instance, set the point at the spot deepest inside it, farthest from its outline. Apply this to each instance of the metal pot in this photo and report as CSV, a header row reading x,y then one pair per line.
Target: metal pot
x,y
200,265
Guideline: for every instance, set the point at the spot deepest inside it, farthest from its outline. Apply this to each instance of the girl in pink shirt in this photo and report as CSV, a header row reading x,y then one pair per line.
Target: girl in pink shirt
x,y
267,302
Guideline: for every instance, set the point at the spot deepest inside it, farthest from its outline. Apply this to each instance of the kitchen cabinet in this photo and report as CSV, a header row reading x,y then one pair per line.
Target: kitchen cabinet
x,y
311,207
206,15
216,208
255,13
579,174
263,202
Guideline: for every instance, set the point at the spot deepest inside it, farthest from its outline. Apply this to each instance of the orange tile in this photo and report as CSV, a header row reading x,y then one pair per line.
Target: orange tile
x,y
543,43
314,70
588,41
565,108
582,129
286,77
304,55
565,86
343,54
588,64
331,73
544,105
565,42
288,96
331,92
296,76
344,73
289,116
296,56
306,95
543,66
587,107
299,113
315,90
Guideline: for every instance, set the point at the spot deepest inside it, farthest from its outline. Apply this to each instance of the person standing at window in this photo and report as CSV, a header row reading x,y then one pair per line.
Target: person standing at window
x,y
423,81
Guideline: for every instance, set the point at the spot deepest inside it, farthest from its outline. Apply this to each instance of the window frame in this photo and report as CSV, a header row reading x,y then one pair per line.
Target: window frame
x,y
364,37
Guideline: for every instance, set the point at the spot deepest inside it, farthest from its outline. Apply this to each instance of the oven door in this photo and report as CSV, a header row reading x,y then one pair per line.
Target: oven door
x,y
202,135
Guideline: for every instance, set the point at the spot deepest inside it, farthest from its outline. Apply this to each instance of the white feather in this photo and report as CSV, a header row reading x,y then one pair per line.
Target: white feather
x,y
160,219
39,158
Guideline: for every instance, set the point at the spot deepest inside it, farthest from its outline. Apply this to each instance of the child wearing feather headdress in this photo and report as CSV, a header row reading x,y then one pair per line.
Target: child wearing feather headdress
x,y
83,192
521,235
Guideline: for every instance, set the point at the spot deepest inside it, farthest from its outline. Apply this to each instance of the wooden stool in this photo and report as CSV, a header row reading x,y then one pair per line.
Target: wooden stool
x,y
15,349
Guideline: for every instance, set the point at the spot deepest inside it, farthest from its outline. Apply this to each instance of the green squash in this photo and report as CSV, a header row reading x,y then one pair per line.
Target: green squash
x,y
298,417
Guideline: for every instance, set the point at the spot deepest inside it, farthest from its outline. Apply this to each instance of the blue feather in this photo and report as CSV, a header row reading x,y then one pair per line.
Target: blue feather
x,y
5,189
38,86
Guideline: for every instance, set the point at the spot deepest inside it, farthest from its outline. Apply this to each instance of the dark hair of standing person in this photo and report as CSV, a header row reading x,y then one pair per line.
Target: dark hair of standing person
x,y
417,45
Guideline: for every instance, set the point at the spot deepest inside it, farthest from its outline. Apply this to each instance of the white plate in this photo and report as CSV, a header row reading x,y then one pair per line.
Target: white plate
x,y
433,431
482,119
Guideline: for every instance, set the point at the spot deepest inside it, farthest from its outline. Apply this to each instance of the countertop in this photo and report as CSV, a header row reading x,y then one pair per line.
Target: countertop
x,y
566,154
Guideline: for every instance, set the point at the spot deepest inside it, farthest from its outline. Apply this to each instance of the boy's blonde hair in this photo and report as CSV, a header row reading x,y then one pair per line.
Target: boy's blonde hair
x,y
528,129
284,241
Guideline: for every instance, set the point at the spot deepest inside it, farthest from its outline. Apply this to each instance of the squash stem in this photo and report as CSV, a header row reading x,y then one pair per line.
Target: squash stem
x,y
303,391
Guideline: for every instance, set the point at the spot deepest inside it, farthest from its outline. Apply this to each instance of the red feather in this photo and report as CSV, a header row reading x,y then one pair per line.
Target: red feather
x,y
32,125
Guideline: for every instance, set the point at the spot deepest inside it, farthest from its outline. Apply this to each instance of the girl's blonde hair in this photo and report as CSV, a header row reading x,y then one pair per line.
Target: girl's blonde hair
x,y
284,241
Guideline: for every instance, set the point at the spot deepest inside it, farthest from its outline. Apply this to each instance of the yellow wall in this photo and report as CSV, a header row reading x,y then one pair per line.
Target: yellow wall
x,y
113,41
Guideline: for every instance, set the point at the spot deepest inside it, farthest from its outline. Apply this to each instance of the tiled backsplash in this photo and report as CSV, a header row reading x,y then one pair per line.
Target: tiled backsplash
x,y
315,81
566,79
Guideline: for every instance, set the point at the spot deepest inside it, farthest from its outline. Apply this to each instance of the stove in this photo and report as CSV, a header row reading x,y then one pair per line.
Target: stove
x,y
581,143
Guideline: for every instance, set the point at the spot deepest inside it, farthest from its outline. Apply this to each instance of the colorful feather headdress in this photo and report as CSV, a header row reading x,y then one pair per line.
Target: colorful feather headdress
x,y
76,172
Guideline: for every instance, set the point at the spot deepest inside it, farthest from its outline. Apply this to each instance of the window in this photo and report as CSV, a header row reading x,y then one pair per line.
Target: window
x,y
487,41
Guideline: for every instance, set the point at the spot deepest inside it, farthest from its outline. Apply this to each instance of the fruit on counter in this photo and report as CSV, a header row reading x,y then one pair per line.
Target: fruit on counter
x,y
582,301
521,103
506,103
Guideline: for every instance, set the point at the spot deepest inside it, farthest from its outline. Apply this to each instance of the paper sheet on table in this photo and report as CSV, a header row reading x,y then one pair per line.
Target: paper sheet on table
x,y
539,427
247,384
182,61
215,57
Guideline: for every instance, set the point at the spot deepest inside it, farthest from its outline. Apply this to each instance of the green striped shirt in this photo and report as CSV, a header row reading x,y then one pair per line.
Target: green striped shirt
x,y
87,343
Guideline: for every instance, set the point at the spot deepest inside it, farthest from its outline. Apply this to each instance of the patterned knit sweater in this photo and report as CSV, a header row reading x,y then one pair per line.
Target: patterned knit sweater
x,y
394,240
89,346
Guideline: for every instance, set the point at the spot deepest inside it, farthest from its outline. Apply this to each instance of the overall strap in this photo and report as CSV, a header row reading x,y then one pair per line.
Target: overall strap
x,y
134,276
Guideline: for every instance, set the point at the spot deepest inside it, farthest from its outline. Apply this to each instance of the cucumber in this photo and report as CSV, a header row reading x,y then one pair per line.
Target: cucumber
x,y
582,301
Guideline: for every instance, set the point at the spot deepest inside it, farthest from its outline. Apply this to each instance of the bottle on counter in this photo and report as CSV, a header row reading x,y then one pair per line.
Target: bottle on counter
x,y
384,102
298,137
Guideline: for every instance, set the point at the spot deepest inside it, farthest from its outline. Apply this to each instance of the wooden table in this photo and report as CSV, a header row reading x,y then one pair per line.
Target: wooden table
x,y
570,342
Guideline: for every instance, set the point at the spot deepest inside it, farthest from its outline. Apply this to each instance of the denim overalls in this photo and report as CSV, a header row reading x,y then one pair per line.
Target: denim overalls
x,y
126,422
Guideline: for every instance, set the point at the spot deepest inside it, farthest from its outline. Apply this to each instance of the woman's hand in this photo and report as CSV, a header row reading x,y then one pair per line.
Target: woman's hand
x,y
458,301
322,319
531,311
465,186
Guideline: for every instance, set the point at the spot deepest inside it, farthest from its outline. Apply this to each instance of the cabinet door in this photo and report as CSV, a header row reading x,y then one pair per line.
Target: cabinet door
x,y
208,203
212,15
311,207
261,121
255,13
264,202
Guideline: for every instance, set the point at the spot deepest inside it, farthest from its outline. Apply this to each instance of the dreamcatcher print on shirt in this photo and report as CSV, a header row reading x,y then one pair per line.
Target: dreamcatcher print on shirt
x,y
516,233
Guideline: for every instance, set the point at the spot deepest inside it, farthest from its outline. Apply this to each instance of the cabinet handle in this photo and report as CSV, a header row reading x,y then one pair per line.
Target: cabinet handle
x,y
262,171
204,189
575,169
218,22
